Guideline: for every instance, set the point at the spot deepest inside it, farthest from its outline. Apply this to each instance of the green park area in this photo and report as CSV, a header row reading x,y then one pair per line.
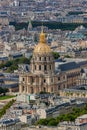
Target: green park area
x,y
6,97
3,94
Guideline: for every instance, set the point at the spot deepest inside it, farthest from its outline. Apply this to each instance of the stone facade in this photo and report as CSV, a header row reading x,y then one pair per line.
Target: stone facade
x,y
72,76
74,93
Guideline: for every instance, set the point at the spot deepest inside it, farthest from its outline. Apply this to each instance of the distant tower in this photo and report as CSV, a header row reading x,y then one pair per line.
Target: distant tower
x,y
29,26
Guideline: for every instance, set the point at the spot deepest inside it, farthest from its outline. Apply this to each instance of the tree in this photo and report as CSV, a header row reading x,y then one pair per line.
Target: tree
x,y
12,68
64,117
8,63
67,56
52,122
43,122
3,91
80,49
56,55
84,94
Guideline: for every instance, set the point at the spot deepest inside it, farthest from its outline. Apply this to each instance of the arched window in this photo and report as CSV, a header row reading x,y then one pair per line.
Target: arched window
x,y
35,67
40,58
58,78
64,86
32,90
58,87
23,88
32,80
39,67
44,89
44,80
45,67
23,79
52,80
50,67
52,89
45,58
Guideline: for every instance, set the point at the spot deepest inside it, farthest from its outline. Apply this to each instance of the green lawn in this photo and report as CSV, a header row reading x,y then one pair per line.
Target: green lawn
x,y
6,97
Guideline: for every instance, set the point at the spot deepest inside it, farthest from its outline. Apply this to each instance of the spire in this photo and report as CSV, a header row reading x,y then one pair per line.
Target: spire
x,y
29,26
42,36
42,29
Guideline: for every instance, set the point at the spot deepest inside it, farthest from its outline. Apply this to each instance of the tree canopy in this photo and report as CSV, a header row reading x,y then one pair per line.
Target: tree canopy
x,y
3,91
63,117
12,65
49,24
56,55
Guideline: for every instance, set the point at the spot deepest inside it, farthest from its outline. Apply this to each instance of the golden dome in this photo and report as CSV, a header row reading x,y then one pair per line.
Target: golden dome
x,y
42,47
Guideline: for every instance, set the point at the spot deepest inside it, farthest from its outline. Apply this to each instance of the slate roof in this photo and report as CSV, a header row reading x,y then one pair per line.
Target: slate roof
x,y
10,85
68,66
8,121
3,58
82,63
17,55
1,74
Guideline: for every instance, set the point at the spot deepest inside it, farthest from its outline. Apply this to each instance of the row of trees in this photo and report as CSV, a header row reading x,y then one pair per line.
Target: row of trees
x,y
12,65
63,117
7,106
49,24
